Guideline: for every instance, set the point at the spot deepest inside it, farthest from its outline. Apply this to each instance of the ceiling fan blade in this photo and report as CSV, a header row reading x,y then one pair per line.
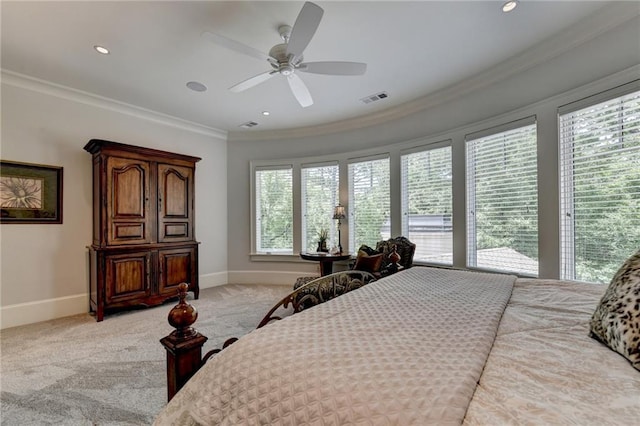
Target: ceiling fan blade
x,y
334,68
253,81
304,28
236,46
300,90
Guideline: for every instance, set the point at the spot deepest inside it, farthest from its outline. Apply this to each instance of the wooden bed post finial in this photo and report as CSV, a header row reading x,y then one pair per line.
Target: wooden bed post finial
x,y
183,315
183,345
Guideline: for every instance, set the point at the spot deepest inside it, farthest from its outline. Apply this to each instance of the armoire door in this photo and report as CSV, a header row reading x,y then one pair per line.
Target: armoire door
x,y
128,276
175,203
177,266
130,218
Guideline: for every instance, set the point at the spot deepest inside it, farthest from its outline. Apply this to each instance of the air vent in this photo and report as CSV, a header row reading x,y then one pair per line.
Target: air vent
x,y
248,124
376,97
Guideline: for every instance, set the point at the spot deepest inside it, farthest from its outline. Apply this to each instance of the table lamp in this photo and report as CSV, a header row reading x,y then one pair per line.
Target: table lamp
x,y
339,214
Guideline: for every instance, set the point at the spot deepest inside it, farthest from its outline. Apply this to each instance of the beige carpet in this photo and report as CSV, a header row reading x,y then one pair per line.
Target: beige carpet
x,y
76,371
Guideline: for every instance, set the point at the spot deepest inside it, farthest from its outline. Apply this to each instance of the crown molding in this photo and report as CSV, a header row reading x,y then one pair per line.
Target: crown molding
x,y
604,20
23,81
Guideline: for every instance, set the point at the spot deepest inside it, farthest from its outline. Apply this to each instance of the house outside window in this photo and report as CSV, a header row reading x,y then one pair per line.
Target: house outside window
x,y
274,210
320,194
600,186
427,203
502,199
369,202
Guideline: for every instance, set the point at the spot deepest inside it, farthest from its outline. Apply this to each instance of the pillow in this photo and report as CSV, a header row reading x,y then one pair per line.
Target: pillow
x,y
368,263
616,321
367,250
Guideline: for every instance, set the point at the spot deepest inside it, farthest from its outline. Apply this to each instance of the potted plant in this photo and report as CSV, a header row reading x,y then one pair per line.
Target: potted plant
x,y
323,235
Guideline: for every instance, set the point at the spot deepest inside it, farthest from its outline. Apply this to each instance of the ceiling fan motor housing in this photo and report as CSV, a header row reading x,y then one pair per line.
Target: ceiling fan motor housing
x,y
284,64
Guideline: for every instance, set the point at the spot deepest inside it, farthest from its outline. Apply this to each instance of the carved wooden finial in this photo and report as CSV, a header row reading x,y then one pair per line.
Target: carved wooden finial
x,y
183,315
394,257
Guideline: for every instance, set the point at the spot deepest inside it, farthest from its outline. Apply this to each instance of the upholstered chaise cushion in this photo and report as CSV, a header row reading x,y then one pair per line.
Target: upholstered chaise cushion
x,y
616,320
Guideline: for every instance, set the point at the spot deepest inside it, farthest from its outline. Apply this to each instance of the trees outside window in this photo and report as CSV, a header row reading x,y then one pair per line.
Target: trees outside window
x,y
274,210
502,201
320,185
427,203
600,188
369,202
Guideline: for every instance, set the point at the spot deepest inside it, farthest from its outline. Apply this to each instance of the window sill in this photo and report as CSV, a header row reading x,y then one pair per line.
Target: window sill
x,y
284,257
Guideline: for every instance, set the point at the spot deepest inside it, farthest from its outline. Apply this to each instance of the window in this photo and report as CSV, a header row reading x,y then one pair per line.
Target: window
x,y
427,203
369,203
274,210
600,187
319,196
502,200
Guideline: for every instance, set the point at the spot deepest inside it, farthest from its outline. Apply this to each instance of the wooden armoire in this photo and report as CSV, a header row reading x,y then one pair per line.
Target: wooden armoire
x,y
143,226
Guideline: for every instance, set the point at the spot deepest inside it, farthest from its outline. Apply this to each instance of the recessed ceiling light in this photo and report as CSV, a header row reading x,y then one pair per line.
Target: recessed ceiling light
x,y
266,113
101,49
196,87
509,6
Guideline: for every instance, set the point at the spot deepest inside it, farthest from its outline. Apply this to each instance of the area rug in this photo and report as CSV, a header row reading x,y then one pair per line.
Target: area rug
x,y
76,371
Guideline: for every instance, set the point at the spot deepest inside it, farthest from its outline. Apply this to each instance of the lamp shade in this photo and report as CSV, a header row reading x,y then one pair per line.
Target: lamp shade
x,y
338,212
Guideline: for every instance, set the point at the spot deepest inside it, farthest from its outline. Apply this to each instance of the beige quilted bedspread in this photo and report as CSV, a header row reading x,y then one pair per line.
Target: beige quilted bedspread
x,y
405,350
544,369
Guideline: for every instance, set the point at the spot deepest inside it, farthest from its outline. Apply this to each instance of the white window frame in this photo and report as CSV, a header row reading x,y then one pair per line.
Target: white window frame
x,y
470,160
255,243
351,214
443,258
331,223
567,234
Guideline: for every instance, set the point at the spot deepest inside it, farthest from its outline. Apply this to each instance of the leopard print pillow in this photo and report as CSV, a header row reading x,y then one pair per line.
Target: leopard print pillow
x,y
616,321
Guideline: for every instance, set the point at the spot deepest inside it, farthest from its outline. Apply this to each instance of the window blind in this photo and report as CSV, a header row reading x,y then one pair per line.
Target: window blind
x,y
369,204
600,188
320,185
274,210
502,201
427,203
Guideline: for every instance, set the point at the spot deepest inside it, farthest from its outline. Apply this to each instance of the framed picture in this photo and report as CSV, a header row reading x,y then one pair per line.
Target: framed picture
x,y
30,193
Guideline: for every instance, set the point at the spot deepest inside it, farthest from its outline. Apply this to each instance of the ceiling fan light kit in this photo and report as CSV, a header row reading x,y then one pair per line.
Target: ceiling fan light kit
x,y
286,58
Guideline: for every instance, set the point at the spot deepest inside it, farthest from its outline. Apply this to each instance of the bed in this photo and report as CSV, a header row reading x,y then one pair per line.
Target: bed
x,y
422,346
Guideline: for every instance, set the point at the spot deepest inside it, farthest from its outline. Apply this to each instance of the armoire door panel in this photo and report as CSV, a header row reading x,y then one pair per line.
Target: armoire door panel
x,y
176,194
176,266
124,231
128,276
128,207
176,229
128,184
175,203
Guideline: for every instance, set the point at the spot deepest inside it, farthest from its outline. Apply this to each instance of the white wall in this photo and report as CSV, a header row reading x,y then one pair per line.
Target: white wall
x,y
593,65
44,268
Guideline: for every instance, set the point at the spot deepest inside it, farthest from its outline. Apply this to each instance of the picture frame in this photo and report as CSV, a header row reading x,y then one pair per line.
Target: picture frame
x,y
30,193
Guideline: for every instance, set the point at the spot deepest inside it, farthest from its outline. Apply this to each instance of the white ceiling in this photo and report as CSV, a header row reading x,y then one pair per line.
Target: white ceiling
x,y
412,49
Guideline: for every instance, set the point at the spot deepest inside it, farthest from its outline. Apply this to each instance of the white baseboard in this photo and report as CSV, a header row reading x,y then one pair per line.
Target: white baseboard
x,y
49,309
213,280
43,310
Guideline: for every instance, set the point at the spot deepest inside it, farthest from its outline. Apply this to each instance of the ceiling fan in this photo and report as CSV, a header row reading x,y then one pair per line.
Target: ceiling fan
x,y
286,58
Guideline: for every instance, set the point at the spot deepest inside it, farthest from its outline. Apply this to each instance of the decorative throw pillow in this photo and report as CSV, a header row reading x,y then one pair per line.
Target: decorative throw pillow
x,y
368,250
616,321
368,263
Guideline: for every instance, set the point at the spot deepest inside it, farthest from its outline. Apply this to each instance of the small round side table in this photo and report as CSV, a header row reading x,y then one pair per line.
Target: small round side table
x,y
326,260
